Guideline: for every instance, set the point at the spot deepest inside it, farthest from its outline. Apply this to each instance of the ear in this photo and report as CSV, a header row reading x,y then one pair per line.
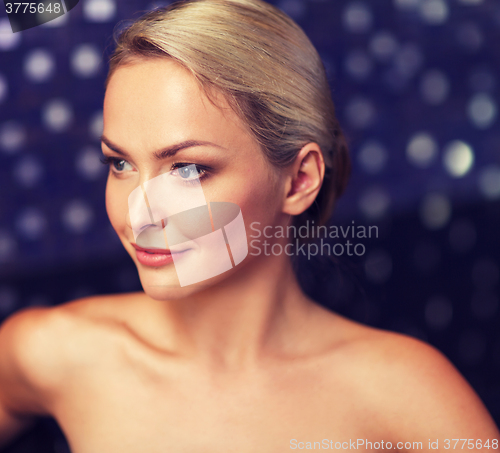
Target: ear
x,y
304,179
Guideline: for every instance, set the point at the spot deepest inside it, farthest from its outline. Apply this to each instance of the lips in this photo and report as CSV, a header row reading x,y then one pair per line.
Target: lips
x,y
155,257
152,250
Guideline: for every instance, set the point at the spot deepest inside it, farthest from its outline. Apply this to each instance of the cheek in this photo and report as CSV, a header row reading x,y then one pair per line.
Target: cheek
x,y
117,212
259,198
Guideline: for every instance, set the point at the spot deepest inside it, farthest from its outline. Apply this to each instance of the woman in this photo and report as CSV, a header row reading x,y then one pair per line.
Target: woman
x,y
218,110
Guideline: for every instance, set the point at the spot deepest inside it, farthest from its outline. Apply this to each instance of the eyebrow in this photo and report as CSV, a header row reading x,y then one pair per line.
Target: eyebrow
x,y
163,153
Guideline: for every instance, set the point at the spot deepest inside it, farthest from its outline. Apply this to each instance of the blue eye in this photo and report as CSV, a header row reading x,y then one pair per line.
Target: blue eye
x,y
188,172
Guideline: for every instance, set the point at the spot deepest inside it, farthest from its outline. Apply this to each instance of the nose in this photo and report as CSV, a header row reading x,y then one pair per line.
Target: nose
x,y
140,223
138,213
147,232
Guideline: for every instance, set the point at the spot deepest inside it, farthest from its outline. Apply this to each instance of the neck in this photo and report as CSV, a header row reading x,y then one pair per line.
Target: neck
x,y
256,312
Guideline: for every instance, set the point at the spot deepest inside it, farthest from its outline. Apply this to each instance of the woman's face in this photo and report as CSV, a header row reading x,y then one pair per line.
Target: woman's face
x,y
152,105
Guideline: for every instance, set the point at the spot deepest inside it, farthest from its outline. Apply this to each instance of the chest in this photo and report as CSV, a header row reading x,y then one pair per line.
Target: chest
x,y
125,409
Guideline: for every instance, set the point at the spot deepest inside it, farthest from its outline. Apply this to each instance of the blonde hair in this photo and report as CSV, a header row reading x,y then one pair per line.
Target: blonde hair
x,y
264,65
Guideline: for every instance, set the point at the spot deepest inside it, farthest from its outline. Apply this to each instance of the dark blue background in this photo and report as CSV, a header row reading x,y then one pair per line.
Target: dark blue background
x,y
416,86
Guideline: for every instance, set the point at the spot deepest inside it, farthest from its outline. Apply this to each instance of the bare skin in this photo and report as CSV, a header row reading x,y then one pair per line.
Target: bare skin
x,y
244,362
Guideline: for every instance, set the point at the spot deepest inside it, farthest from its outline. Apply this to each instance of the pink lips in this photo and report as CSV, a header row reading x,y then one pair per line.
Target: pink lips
x,y
153,256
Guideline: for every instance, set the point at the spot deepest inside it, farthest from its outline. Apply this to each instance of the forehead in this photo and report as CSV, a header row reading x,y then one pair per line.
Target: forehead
x,y
155,102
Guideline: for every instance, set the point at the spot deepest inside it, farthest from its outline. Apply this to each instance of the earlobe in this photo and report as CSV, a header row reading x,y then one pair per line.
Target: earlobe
x,y
305,179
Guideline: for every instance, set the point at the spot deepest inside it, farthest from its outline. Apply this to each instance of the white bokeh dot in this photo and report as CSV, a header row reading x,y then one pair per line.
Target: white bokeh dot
x,y
482,110
372,156
358,64
360,112
458,158
77,216
39,65
88,163
435,211
433,12
31,223
28,172
408,59
8,246
96,125
99,10
438,312
357,17
57,115
12,137
374,203
489,182
86,60
8,39
470,37
4,88
383,45
294,8
422,149
434,87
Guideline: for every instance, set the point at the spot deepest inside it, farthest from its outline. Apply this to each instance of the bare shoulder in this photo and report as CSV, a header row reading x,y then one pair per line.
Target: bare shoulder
x,y
411,385
100,307
27,340
28,365
39,344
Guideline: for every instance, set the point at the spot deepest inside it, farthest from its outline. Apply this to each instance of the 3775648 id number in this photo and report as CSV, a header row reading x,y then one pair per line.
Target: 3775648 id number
x,y
32,8
470,444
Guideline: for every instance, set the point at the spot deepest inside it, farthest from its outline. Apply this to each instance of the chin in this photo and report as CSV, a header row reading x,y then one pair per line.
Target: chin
x,y
168,293
163,283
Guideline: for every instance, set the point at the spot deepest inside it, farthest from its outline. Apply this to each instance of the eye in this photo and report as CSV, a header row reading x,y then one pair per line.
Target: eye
x,y
116,164
189,172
